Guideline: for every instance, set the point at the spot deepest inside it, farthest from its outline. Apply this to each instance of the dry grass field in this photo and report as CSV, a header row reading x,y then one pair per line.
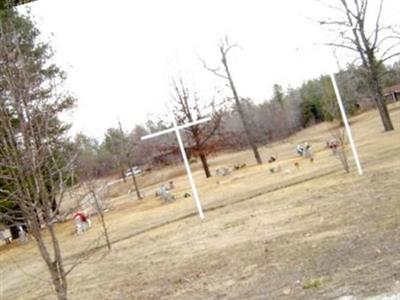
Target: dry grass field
x,y
313,232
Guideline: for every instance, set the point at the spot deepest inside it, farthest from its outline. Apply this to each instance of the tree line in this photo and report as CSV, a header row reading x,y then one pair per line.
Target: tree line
x,y
284,113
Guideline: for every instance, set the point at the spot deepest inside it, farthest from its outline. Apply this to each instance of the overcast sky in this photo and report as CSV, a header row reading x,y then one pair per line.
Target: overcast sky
x,y
120,57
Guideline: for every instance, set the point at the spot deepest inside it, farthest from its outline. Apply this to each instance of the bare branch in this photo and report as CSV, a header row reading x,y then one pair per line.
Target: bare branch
x,y
215,71
377,29
342,46
390,57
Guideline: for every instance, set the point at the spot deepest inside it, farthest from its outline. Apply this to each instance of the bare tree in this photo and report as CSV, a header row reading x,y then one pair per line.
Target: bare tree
x,y
281,113
224,47
86,168
120,147
95,194
35,165
338,142
374,43
187,108
127,157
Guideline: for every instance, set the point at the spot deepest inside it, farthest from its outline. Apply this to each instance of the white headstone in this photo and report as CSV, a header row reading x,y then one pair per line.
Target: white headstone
x,y
23,239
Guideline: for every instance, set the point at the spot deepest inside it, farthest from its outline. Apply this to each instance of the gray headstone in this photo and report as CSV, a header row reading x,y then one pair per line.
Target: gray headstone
x,y
165,195
222,171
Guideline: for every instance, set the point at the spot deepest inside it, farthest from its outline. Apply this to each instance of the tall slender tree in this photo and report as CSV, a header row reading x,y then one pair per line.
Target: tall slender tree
x,y
361,32
127,158
224,48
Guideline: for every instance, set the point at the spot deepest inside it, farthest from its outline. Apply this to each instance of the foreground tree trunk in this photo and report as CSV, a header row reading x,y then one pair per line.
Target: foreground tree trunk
x,y
54,264
57,270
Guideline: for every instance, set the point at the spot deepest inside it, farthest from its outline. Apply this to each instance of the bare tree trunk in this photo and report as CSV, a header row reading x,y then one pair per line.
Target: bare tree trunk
x,y
239,108
103,223
381,103
55,265
204,163
105,230
384,113
58,283
125,153
58,279
57,269
338,144
135,184
123,176
343,159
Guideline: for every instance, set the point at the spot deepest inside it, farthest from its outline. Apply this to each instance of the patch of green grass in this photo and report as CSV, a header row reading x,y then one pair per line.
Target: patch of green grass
x,y
177,281
313,283
234,223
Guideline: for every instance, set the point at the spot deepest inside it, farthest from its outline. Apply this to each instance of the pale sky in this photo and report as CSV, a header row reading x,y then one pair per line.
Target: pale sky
x,y
120,55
